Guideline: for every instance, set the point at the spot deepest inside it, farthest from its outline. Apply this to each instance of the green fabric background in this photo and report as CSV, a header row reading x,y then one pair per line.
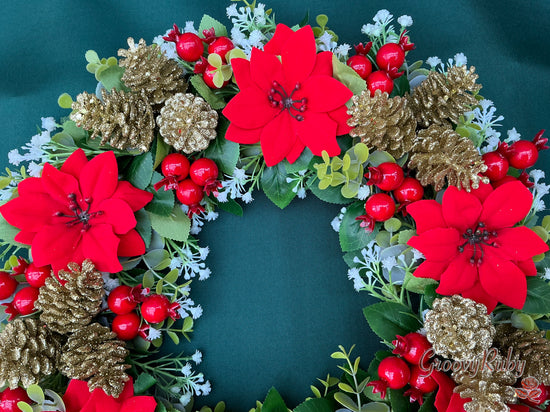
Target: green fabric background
x,y
278,302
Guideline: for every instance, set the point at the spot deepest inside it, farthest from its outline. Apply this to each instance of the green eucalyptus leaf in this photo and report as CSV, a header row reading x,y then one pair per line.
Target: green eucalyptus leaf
x,y
65,101
346,401
392,225
417,285
218,79
327,193
36,393
173,336
275,186
336,164
352,236
346,162
155,257
388,319
324,183
187,324
215,60
175,226
350,189
375,407
111,78
208,22
337,179
405,236
157,343
91,57
361,152
140,171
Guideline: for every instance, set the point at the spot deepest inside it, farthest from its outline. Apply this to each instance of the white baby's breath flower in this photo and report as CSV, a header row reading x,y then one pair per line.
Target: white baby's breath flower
x,y
373,30
364,192
460,59
382,16
196,312
34,169
49,124
231,11
185,399
197,357
190,27
405,21
186,370
153,334
513,135
434,61
247,197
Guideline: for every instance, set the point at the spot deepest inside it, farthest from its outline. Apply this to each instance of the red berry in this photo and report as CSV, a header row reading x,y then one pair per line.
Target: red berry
x,y
23,301
7,285
154,309
221,46
394,371
36,275
386,176
22,265
409,191
189,47
203,170
121,301
10,397
208,77
175,164
523,154
379,80
126,326
418,380
497,166
189,193
389,56
361,64
538,400
380,207
412,347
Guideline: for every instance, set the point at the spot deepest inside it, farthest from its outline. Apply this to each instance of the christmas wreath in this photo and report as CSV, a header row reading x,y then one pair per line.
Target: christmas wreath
x,y
440,221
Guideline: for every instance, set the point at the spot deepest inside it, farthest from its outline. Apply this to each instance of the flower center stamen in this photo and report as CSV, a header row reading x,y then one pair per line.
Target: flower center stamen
x,y
278,97
79,215
476,238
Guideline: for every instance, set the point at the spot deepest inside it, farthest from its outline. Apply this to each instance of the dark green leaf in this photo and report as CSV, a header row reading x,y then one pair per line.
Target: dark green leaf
x,y
160,407
314,405
301,163
64,139
163,200
305,20
206,92
388,319
275,186
77,133
398,401
274,402
428,405
144,226
143,382
222,151
111,78
430,294
231,206
348,258
208,22
538,296
175,226
353,236
331,194
140,171
400,86
161,151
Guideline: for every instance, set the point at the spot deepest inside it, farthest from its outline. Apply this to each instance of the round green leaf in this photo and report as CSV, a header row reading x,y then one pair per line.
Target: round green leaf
x,y
361,152
91,57
215,60
65,101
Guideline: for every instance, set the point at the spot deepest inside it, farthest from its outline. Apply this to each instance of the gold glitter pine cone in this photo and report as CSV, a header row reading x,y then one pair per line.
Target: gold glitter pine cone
x,y
383,122
29,352
459,328
442,98
124,120
440,154
92,353
69,307
187,123
148,69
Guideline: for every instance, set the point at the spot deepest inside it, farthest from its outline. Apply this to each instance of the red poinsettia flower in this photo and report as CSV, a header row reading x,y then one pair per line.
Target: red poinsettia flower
x,y
471,246
289,102
79,212
78,398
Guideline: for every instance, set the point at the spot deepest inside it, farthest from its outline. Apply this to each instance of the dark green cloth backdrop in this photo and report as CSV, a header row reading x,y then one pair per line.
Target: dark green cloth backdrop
x,y
278,302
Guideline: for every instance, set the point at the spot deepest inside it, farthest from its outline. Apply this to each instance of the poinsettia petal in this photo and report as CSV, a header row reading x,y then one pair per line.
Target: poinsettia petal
x,y
134,197
483,191
324,94
527,266
131,244
25,237
277,139
59,185
31,213
243,136
296,151
250,109
100,245
503,280
518,243
100,402
99,177
323,64
445,390
341,116
506,205
241,71
461,209
439,244
281,35
114,212
427,214
318,132
456,404
479,295
75,163
459,276
139,404
76,395
31,186
431,269
55,243
265,68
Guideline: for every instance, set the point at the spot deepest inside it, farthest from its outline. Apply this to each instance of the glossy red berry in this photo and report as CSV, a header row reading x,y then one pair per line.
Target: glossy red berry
x,y
418,380
126,326
121,301
379,80
523,154
36,275
154,309
189,47
7,285
389,56
10,397
175,168
220,46
380,207
497,166
23,301
409,191
361,64
189,193
203,170
412,347
394,371
386,176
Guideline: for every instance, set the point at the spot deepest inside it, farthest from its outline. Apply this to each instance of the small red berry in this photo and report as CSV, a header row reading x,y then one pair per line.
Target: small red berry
x,y
36,275
386,176
7,285
121,300
361,64
22,303
380,207
189,47
189,193
21,266
394,371
203,170
412,347
420,381
390,55
497,166
154,309
175,168
126,326
10,397
379,80
208,77
409,191
220,46
523,154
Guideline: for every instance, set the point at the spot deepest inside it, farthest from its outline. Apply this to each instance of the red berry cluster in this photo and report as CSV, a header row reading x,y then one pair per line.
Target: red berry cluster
x,y
23,300
123,301
389,58
191,181
388,177
190,47
10,397
520,155
395,372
